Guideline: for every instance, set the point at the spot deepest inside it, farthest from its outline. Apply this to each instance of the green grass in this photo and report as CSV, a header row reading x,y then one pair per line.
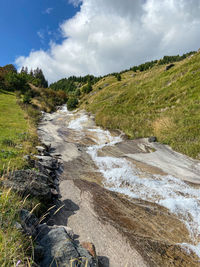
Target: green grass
x,y
16,132
17,136
154,102
14,246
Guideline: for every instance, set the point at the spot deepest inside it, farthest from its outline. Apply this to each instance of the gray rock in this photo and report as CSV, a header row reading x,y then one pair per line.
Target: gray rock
x,y
18,226
60,250
152,139
29,222
39,252
40,148
47,162
27,157
29,182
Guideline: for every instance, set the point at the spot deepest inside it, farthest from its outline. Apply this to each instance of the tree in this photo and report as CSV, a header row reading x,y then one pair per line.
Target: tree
x,y
87,88
38,74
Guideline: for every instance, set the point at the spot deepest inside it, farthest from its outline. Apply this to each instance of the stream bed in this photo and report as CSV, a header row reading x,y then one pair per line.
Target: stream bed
x,y
137,170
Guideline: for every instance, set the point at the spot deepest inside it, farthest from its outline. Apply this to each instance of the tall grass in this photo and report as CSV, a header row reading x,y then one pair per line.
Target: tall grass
x,y
15,247
153,102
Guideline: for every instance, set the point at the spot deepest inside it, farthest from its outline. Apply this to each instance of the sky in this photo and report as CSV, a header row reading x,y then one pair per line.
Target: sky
x,y
80,37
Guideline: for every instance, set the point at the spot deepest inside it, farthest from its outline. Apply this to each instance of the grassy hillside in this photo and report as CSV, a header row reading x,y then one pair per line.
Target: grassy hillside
x,y
153,102
17,135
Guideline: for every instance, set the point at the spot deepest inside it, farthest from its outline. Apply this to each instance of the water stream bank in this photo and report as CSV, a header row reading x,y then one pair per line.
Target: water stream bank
x,y
153,193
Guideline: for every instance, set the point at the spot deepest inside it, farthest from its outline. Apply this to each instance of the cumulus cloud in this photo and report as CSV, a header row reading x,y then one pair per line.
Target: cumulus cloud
x,y
107,36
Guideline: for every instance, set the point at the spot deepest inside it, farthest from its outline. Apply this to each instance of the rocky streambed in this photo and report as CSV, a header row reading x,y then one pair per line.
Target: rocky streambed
x,y
137,201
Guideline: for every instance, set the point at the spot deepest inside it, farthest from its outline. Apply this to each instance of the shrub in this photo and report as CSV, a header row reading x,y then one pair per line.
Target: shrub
x,y
87,88
72,103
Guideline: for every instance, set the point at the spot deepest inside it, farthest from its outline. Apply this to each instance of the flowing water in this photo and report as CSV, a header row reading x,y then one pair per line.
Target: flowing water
x,y
123,176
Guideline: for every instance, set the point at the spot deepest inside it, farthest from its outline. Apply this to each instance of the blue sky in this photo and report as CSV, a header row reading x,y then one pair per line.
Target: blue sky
x,y
27,25
98,37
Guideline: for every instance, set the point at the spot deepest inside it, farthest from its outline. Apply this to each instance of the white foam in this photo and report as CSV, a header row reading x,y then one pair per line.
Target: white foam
x,y
64,109
122,176
78,123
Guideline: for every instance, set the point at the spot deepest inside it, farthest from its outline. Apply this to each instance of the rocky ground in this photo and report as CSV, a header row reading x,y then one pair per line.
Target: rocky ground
x,y
125,231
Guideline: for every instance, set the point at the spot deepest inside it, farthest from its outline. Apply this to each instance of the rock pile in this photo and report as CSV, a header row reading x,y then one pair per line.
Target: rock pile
x,y
55,245
42,182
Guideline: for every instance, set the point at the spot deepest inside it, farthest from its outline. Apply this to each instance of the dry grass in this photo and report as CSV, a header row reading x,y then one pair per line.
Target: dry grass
x,y
161,126
153,102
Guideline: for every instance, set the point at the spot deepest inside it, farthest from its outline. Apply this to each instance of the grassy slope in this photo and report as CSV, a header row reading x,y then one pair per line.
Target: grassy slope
x,y
16,135
154,102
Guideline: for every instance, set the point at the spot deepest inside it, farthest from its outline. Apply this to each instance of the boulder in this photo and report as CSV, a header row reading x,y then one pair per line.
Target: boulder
x,y
29,182
47,162
29,222
60,250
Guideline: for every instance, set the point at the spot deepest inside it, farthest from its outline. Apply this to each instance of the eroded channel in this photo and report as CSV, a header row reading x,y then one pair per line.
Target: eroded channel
x,y
160,185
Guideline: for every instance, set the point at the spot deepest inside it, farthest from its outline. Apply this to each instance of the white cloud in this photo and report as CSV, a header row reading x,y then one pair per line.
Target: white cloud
x,y
48,10
76,3
107,36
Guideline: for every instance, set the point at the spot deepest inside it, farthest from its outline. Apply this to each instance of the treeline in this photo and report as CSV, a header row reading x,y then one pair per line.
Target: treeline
x,y
163,61
72,83
75,88
31,88
11,80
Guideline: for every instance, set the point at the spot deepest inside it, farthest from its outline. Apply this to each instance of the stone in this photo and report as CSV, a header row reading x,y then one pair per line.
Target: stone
x,y
90,248
67,229
47,162
152,139
60,250
27,157
18,226
40,149
29,182
29,222
38,252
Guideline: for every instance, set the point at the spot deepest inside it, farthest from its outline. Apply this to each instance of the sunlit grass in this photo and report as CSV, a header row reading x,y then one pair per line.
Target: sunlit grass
x,y
17,136
16,132
14,246
154,102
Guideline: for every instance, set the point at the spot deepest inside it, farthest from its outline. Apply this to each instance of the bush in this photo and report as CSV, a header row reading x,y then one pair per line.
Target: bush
x,y
27,97
72,103
87,89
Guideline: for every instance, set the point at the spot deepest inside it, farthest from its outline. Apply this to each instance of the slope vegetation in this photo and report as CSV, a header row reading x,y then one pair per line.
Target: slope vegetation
x,y
153,102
